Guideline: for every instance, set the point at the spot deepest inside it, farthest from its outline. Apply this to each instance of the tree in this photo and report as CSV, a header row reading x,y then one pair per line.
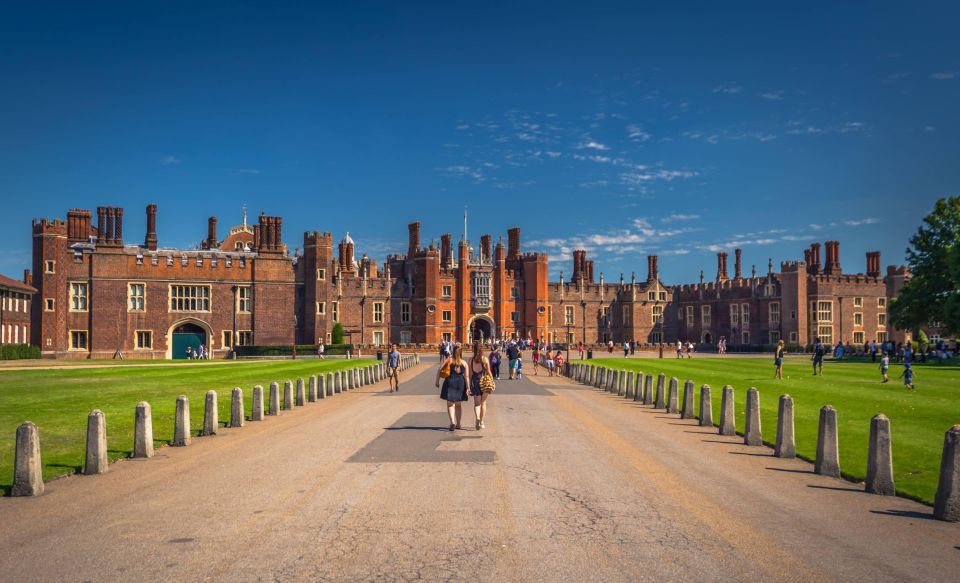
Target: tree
x,y
337,334
933,292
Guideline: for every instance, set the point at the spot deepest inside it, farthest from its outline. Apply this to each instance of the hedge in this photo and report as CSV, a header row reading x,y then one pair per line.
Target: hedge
x,y
18,352
287,350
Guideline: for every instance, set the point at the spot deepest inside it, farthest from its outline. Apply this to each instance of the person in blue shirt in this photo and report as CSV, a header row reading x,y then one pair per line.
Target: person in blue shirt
x,y
393,368
819,350
907,376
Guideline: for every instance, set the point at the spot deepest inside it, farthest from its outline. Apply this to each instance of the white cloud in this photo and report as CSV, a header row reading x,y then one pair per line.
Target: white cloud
x,y
859,222
170,160
248,171
772,95
636,133
737,243
929,129
463,171
728,89
678,217
943,75
811,130
592,145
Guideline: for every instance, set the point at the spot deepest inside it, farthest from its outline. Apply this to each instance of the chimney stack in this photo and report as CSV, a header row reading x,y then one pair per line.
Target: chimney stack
x,y
101,225
118,226
588,267
413,237
653,270
873,264
150,241
212,233
27,277
815,258
513,243
736,265
832,266
446,250
484,247
722,266
579,259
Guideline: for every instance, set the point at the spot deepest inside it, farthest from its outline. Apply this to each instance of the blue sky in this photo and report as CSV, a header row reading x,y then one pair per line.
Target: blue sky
x,y
627,128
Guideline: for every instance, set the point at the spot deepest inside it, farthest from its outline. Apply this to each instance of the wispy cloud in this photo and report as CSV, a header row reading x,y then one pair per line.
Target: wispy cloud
x,y
772,95
678,217
728,89
170,160
943,75
859,222
463,171
799,128
248,171
592,145
637,134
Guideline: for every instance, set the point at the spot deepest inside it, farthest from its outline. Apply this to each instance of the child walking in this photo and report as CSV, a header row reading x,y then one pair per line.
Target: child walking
x,y
907,376
884,367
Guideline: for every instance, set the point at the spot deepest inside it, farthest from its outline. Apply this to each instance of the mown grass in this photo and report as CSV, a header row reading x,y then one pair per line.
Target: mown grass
x,y
59,400
918,418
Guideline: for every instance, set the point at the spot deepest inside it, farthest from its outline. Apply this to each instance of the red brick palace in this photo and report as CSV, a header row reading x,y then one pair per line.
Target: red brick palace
x,y
98,295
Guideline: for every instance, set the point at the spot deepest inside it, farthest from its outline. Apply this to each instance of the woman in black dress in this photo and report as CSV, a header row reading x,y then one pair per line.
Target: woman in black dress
x,y
479,366
455,387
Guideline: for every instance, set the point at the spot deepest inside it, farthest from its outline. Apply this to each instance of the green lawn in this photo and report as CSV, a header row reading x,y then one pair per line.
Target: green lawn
x,y
918,419
59,400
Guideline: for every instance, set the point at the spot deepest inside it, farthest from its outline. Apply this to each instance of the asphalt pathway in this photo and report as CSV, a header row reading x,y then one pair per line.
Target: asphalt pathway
x,y
566,483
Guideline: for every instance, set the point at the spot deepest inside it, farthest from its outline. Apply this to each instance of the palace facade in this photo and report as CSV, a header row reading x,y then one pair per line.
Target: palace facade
x,y
99,296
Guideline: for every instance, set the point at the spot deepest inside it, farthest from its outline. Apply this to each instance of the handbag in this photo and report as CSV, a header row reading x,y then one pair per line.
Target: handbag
x,y
445,370
486,383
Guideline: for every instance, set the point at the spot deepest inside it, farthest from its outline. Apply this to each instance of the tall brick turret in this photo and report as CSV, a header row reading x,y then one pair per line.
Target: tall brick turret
x,y
737,273
150,241
513,243
413,238
446,250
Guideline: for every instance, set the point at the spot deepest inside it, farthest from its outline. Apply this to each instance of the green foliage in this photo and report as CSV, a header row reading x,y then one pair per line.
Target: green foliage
x,y
922,341
287,350
18,352
933,292
336,335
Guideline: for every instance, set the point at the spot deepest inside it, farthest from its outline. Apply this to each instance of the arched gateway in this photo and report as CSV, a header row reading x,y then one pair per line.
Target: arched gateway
x,y
189,333
481,327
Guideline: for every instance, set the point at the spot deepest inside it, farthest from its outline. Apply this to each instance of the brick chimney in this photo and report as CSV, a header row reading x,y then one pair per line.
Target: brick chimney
x,y
212,233
873,264
832,265
579,258
815,258
653,270
413,237
722,266
737,274
446,250
118,226
484,247
513,243
150,241
27,277
588,267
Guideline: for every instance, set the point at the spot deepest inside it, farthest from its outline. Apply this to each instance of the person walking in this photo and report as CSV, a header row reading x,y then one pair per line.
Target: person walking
x,y
689,349
679,349
626,348
494,360
513,355
884,367
549,361
456,385
580,349
535,355
393,368
818,352
480,385
778,360
321,350
907,376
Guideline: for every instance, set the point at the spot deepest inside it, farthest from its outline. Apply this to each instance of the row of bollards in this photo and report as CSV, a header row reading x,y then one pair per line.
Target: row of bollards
x,y
879,479
28,470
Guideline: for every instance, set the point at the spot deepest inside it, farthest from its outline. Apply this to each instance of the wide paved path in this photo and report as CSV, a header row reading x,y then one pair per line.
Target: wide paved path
x,y
565,484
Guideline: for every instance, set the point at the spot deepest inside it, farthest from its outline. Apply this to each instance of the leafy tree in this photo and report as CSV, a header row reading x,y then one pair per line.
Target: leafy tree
x,y
336,335
933,292
922,340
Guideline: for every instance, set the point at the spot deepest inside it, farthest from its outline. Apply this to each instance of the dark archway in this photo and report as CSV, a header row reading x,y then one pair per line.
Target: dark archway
x,y
706,338
481,330
189,336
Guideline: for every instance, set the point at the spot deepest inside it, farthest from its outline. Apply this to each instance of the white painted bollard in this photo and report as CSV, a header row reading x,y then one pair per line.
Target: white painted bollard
x,y
256,413
236,407
95,461
27,469
211,414
143,431
181,422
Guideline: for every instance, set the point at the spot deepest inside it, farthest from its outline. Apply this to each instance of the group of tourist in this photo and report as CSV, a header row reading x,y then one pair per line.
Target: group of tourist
x,y
462,380
199,354
887,350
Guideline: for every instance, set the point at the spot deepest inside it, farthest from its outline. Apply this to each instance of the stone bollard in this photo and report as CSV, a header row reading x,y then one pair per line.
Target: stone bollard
x,y
312,388
786,446
688,391
321,386
143,431
256,414
273,408
27,469
366,375
181,422
706,407
614,381
287,395
946,505
301,396
630,383
751,431
828,450
622,384
338,382
880,458
236,407
661,402
673,396
95,461
648,390
728,423
211,415
638,387
597,377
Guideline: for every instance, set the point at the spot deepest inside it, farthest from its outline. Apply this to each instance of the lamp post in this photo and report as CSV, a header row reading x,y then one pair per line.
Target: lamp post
x,y
583,313
568,342
657,305
233,332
